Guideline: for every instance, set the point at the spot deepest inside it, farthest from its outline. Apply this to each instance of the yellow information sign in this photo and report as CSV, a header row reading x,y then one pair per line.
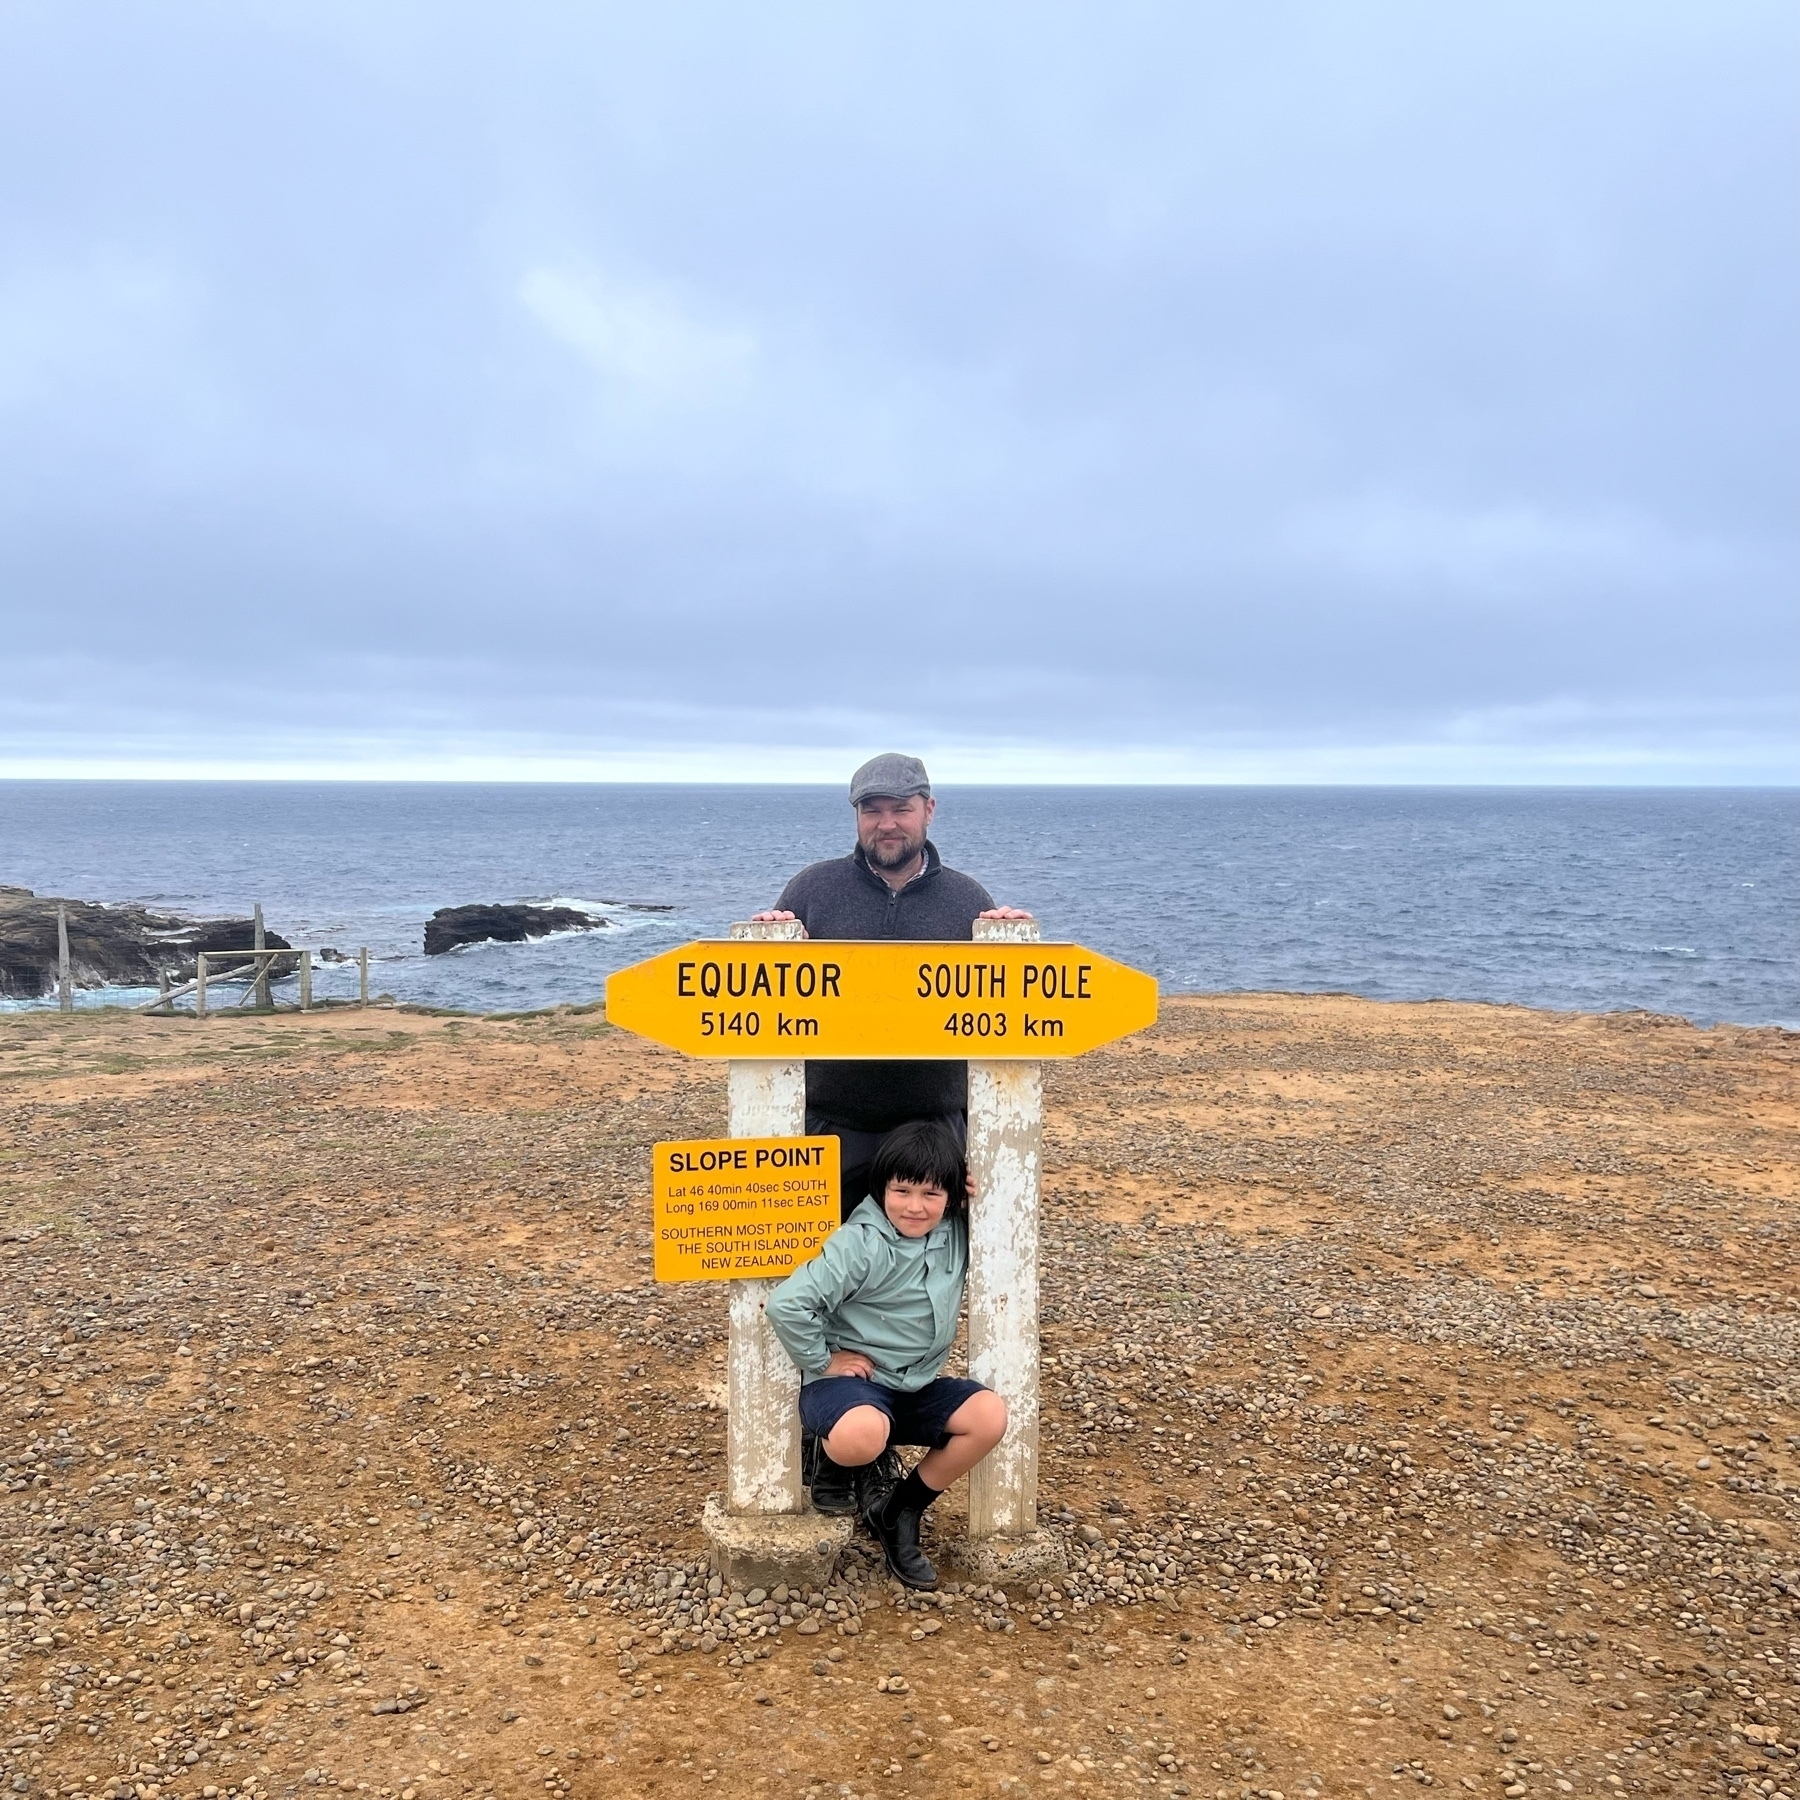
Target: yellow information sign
x,y
830,999
728,1209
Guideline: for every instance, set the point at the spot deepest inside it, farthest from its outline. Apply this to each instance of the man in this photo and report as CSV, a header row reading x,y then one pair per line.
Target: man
x,y
893,884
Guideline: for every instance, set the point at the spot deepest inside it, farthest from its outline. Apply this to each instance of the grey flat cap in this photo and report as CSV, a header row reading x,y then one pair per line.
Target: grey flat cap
x,y
889,776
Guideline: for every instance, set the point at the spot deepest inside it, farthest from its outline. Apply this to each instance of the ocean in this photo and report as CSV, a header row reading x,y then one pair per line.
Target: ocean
x,y
1682,901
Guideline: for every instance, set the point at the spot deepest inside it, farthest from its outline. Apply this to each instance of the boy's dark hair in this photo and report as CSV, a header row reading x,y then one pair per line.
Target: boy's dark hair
x,y
924,1150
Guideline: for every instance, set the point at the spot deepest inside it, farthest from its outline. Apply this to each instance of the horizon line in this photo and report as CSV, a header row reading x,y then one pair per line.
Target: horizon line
x,y
1665,785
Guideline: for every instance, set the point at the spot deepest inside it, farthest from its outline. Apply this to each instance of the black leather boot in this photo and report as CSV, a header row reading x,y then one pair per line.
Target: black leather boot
x,y
896,1523
873,1482
831,1485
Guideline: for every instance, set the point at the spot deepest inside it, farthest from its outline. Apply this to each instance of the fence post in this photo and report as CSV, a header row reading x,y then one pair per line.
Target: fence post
x,y
200,985
306,981
762,1533
1006,1155
65,981
259,984
363,960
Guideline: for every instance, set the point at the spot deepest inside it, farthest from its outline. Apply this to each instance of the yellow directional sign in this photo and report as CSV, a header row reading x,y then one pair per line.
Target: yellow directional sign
x,y
887,998
731,1209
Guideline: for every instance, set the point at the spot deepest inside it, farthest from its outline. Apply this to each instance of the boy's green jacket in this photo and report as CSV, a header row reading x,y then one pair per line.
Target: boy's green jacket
x,y
864,1292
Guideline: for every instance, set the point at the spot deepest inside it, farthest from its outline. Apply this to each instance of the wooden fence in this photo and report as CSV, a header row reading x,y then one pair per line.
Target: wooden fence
x,y
255,965
211,967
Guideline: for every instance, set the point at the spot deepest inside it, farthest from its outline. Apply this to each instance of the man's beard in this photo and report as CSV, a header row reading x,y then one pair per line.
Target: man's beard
x,y
893,855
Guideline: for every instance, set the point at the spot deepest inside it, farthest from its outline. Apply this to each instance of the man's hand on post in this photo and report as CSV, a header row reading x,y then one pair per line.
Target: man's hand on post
x,y
774,918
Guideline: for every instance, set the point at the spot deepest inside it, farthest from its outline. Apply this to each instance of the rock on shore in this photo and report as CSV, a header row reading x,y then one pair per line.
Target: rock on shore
x,y
109,946
451,927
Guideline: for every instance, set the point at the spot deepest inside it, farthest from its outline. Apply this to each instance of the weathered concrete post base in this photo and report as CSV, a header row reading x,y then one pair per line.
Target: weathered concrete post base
x,y
1009,1561
769,1550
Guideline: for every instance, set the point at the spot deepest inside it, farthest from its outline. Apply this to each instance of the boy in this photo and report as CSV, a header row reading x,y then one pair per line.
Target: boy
x,y
869,1323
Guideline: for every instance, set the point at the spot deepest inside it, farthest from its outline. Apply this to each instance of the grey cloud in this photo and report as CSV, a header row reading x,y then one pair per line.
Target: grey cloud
x,y
1174,387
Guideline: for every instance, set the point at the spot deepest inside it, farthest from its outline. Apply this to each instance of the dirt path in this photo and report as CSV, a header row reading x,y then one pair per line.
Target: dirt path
x,y
1420,1410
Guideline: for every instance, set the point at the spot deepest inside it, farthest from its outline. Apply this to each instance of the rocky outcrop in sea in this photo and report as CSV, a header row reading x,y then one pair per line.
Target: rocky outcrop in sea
x,y
503,922
109,946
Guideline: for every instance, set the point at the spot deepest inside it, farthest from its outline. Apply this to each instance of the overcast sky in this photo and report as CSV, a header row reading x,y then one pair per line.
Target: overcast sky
x,y
1331,392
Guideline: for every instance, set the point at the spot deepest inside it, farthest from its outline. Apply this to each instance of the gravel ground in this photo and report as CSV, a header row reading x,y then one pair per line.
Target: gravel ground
x,y
1419,1399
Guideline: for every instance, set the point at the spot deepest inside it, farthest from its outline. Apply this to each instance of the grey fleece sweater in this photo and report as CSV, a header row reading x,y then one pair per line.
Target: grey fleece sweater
x,y
845,898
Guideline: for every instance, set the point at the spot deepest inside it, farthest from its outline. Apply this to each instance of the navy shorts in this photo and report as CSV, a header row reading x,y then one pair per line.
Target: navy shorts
x,y
917,1418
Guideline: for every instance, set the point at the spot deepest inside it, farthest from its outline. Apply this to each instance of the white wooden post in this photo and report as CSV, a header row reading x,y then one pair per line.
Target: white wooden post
x,y
65,983
200,985
363,985
1006,1155
306,981
259,984
762,1426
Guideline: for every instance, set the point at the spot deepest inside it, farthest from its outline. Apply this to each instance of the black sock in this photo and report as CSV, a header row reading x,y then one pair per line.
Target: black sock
x,y
913,1494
